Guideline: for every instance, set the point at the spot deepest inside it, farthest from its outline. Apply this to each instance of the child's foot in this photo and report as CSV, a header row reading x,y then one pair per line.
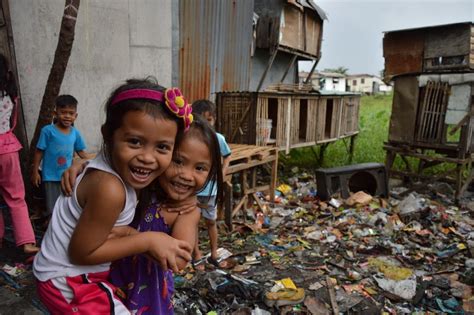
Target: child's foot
x,y
197,261
30,249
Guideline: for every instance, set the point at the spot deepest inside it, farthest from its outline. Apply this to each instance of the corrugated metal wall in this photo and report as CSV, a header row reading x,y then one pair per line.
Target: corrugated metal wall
x,y
215,42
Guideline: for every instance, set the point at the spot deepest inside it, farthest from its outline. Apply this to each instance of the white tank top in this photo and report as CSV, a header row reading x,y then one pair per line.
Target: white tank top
x,y
53,260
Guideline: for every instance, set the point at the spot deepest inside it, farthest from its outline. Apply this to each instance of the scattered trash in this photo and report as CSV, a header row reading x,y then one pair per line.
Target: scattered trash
x,y
359,198
412,253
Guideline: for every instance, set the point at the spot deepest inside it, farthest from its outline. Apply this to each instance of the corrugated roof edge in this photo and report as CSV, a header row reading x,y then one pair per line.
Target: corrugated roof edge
x,y
311,5
426,27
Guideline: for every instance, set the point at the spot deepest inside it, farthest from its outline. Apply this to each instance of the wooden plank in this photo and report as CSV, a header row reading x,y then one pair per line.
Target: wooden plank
x,y
294,121
291,28
250,191
452,40
312,120
243,166
288,126
321,126
313,28
426,157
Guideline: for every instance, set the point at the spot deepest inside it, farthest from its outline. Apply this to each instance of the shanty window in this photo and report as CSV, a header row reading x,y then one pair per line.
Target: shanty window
x,y
362,81
354,82
432,111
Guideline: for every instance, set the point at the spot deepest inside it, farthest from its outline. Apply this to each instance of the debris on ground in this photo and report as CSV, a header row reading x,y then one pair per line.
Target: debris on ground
x,y
412,253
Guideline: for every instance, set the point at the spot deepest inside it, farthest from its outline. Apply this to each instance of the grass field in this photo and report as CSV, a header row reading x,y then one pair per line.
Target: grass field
x,y
374,120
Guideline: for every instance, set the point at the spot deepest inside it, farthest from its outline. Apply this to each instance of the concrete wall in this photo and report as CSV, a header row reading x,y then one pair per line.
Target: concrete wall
x,y
371,85
115,40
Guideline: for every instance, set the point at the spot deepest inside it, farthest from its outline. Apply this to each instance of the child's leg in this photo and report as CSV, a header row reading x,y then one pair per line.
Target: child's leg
x,y
83,294
197,252
210,214
212,231
52,192
13,191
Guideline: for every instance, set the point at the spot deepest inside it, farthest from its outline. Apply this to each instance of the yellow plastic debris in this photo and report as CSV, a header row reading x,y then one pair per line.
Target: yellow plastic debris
x,y
287,283
284,189
390,271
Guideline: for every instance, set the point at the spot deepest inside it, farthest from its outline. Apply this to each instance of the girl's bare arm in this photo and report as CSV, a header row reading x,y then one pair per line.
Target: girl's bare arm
x,y
185,229
102,197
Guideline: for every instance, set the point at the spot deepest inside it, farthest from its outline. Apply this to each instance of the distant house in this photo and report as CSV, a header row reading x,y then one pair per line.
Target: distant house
x,y
367,83
326,81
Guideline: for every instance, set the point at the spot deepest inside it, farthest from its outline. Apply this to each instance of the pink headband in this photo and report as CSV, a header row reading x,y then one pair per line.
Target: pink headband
x,y
173,98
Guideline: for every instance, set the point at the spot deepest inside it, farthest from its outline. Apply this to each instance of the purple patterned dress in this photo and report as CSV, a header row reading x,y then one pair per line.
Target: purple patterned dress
x,y
147,288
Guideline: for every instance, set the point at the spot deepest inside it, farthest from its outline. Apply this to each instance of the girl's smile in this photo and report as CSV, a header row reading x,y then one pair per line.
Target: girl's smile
x,y
142,148
189,169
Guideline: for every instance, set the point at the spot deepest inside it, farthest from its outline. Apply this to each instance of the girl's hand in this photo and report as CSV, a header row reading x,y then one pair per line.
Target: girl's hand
x,y
166,250
121,231
183,207
68,179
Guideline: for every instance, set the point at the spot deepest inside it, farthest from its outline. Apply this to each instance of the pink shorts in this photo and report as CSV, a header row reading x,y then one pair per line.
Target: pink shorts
x,y
84,294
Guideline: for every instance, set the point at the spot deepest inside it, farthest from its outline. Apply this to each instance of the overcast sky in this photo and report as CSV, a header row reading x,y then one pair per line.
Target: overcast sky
x,y
352,35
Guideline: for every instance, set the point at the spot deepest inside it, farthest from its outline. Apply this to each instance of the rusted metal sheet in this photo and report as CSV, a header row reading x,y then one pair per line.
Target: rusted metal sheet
x,y
429,49
403,52
215,44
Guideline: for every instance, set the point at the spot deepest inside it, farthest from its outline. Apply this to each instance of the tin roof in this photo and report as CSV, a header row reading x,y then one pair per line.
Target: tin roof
x,y
429,27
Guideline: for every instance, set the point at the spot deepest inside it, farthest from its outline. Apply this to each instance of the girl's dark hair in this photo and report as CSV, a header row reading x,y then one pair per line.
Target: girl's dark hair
x,y
115,113
7,81
200,129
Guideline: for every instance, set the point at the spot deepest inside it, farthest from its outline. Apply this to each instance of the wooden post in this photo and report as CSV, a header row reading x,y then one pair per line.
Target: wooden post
x,y
228,205
269,65
288,68
311,72
321,153
288,126
351,148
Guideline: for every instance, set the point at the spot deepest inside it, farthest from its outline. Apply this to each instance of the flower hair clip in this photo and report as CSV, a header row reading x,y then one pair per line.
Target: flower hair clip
x,y
177,104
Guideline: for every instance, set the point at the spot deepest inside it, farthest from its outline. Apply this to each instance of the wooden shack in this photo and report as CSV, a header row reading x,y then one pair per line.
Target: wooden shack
x,y
432,119
286,32
441,48
298,119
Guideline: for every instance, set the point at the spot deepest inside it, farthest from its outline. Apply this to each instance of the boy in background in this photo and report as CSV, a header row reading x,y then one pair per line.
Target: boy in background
x,y
56,146
208,195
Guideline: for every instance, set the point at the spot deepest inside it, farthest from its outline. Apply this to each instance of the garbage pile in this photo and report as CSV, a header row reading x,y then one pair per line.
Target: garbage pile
x,y
412,253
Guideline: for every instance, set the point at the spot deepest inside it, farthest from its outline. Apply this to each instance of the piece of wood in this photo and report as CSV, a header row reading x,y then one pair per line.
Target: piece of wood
x,y
259,203
288,68
269,65
239,205
332,296
228,204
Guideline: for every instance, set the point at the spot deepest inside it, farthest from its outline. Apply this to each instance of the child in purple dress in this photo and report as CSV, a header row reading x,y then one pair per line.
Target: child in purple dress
x,y
147,288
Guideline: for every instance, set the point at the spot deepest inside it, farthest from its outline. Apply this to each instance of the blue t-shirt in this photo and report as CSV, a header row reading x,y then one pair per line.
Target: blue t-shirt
x,y
58,149
225,152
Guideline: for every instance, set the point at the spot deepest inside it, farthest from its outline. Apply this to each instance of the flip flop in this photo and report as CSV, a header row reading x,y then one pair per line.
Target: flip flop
x,y
197,265
213,262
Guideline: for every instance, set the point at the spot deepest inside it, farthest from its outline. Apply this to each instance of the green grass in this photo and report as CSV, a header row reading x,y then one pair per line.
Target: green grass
x,y
374,121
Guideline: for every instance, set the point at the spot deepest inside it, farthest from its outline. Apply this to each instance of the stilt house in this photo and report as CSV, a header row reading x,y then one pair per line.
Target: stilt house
x,y
432,118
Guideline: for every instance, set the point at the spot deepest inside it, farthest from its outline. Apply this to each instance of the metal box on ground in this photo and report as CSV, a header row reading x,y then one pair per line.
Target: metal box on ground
x,y
368,177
